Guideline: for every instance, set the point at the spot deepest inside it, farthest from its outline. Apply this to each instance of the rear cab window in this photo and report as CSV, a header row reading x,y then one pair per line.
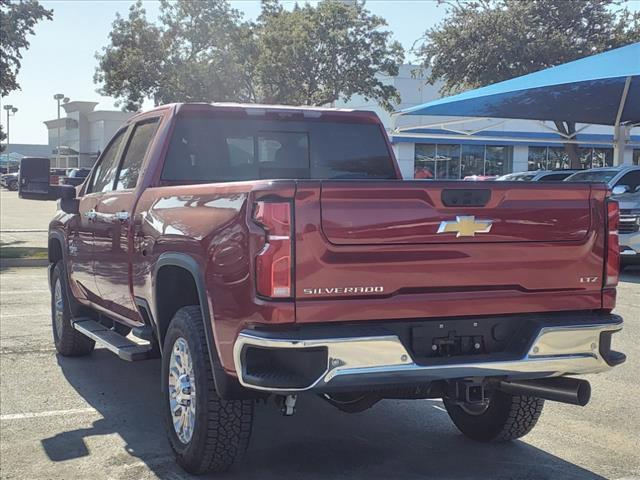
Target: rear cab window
x,y
207,149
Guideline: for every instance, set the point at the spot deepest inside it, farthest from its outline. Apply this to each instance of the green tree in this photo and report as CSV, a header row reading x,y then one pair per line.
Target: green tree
x,y
204,51
17,20
318,55
482,42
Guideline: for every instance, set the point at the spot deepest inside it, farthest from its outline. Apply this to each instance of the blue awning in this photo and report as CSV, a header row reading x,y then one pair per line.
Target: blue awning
x,y
589,90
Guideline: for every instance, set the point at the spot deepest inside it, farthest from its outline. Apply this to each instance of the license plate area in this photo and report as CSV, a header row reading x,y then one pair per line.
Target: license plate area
x,y
468,337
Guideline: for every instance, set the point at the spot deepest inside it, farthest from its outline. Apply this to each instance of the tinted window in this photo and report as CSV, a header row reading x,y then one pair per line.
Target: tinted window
x,y
206,149
136,149
105,173
631,180
553,177
592,176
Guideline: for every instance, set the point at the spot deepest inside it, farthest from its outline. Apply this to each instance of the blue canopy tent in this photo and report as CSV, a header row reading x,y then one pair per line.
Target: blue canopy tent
x,y
602,89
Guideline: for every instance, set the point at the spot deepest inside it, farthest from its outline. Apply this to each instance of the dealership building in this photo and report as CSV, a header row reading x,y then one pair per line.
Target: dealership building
x,y
76,139
441,147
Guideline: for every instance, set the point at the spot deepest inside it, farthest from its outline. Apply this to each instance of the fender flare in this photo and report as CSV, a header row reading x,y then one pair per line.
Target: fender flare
x,y
227,387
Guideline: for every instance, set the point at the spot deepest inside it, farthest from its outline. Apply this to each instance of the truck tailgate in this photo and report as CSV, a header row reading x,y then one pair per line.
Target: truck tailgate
x,y
415,249
386,215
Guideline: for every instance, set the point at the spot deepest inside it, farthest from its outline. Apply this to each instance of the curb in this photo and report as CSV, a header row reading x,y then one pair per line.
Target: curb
x,y
23,262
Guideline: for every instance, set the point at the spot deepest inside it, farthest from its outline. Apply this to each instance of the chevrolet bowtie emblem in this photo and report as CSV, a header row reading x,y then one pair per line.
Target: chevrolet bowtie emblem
x,y
465,226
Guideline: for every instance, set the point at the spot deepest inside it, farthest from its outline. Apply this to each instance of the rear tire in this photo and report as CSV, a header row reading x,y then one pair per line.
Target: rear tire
x,y
68,341
506,418
211,434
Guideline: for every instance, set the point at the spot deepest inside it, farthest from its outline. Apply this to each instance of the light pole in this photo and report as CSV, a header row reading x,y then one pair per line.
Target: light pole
x,y
11,111
58,97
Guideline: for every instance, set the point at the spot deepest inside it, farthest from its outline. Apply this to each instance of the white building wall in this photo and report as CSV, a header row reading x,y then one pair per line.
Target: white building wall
x,y
520,158
405,155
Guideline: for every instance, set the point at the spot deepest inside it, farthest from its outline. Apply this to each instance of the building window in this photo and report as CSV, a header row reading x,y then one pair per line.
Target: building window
x,y
425,161
555,158
441,161
497,161
448,162
537,158
472,160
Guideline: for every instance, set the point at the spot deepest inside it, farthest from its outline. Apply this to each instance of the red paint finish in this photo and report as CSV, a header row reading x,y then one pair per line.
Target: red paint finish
x,y
506,271
362,250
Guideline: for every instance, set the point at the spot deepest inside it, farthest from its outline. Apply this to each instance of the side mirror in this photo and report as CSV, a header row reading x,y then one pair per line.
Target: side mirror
x,y
34,184
33,181
620,189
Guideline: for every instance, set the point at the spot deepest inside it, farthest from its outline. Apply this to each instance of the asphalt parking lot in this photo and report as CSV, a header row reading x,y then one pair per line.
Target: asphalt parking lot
x,y
99,417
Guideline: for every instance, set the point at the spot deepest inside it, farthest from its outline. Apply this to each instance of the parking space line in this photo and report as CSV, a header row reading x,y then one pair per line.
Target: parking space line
x,y
438,407
23,292
18,315
50,413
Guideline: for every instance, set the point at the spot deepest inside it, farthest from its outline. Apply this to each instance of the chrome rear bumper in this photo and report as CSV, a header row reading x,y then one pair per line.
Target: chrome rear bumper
x,y
373,361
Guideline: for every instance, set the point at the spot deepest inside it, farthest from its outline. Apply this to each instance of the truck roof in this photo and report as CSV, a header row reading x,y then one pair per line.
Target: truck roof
x,y
257,109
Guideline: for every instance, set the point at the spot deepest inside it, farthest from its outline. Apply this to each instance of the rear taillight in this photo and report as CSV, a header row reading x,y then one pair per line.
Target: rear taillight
x,y
273,263
613,246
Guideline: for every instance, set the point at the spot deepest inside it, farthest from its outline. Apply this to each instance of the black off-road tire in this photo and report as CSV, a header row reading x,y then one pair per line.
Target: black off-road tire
x,y
506,418
222,427
68,341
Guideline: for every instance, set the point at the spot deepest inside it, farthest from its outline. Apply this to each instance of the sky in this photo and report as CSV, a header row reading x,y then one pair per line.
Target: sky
x,y
61,58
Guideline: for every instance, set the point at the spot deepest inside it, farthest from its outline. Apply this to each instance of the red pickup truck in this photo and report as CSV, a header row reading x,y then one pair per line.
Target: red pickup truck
x,y
270,251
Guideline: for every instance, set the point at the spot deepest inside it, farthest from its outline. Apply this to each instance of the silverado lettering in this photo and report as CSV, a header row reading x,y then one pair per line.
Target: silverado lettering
x,y
207,232
339,290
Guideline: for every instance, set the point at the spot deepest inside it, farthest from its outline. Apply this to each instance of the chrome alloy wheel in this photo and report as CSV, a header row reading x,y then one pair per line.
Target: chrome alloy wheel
x,y
182,390
58,312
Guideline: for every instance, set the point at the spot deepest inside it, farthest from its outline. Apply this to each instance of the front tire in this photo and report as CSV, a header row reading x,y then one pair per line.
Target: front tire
x,y
68,341
206,432
506,417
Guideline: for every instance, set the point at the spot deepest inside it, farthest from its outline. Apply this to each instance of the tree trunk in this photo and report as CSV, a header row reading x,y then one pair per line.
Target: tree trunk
x,y
571,149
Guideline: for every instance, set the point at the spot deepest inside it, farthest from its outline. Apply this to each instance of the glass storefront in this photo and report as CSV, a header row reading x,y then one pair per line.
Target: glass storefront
x,y
555,158
440,161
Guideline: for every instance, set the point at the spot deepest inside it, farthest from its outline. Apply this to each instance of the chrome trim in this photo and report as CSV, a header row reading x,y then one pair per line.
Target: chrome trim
x,y
555,351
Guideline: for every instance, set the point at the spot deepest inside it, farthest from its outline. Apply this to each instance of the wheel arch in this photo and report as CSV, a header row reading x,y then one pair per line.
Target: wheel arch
x,y
183,264
55,251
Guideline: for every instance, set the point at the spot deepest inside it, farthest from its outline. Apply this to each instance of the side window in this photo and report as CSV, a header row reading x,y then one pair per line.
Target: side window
x,y
631,180
105,172
554,177
136,149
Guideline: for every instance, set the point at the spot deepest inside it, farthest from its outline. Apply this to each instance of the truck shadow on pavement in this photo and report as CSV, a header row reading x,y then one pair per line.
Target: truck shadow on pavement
x,y
393,440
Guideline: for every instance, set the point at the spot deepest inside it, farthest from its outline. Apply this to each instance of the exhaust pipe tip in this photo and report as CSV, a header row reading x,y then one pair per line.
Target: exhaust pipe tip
x,y
558,389
583,392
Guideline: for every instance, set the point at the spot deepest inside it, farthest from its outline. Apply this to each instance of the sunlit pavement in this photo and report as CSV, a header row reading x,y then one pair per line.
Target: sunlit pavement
x,y
100,418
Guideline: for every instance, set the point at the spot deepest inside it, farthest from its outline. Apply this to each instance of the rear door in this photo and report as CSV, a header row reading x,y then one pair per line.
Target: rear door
x,y
112,245
412,249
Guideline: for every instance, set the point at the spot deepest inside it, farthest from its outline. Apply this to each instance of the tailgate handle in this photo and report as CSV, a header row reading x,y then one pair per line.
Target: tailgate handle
x,y
461,197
